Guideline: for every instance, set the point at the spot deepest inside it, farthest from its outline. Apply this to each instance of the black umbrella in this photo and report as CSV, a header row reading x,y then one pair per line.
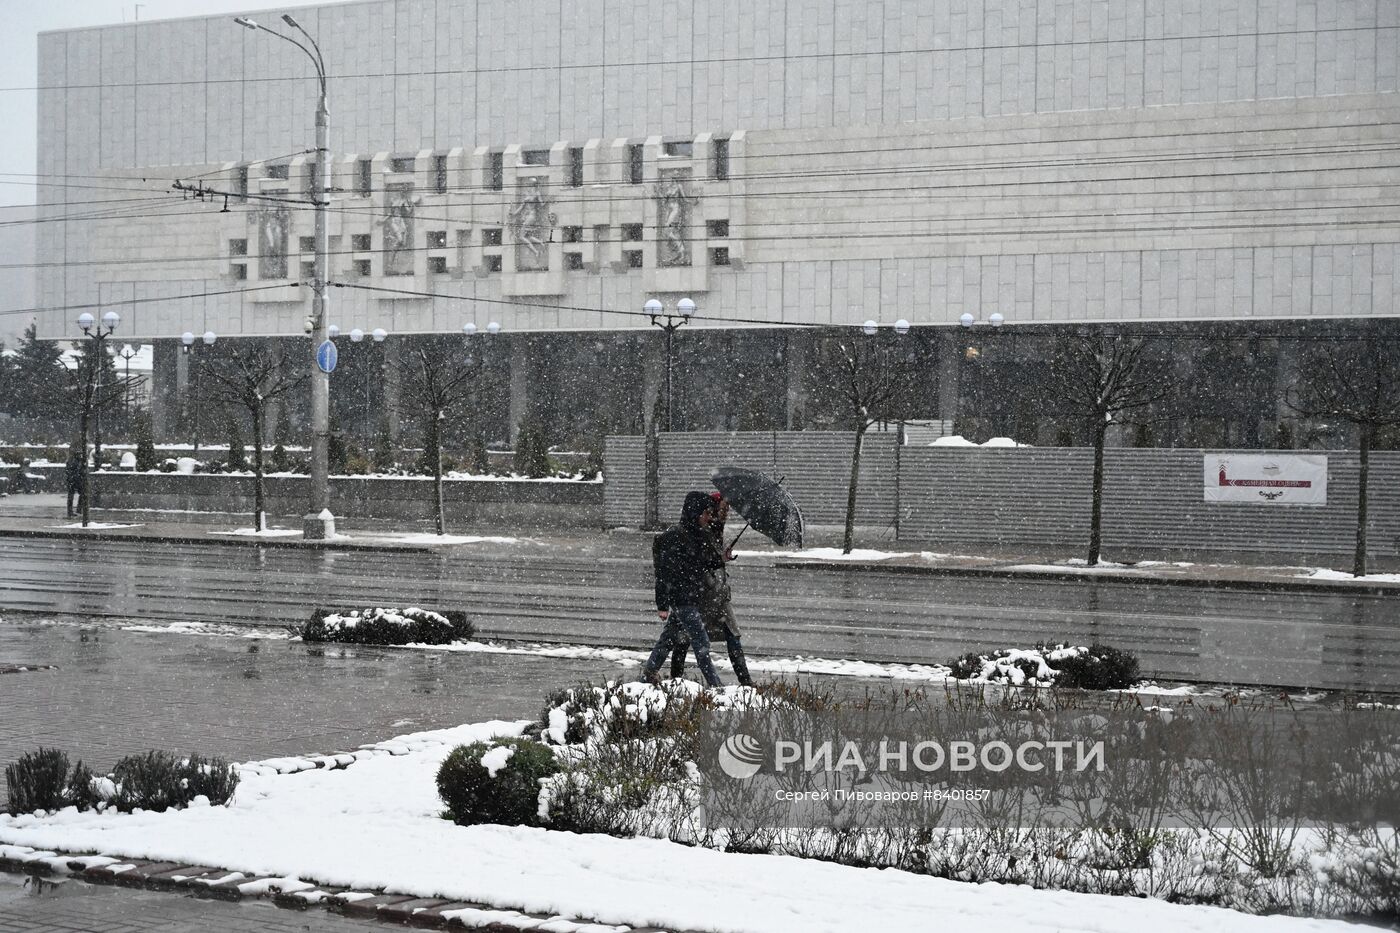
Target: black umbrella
x,y
763,501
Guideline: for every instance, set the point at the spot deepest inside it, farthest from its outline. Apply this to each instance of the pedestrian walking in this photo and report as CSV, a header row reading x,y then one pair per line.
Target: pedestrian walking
x,y
682,555
716,609
73,470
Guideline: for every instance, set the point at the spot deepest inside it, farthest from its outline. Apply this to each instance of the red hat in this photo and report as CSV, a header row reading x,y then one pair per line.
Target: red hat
x,y
717,497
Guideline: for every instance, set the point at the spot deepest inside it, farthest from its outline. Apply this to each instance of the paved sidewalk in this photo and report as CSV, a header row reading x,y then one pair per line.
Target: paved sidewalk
x,y
43,517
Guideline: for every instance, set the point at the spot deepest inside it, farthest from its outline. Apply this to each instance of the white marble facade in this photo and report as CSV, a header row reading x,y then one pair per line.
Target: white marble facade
x,y
1055,160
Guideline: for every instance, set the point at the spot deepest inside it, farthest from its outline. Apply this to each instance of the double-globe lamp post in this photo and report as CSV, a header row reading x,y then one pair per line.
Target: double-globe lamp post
x,y
319,523
674,322
97,334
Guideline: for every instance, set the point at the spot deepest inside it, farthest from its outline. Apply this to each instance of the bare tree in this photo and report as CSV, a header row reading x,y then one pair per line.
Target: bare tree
x,y
436,378
1357,381
1106,378
872,375
252,378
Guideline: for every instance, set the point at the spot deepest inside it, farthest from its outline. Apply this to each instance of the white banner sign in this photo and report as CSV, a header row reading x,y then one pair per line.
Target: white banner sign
x,y
1266,479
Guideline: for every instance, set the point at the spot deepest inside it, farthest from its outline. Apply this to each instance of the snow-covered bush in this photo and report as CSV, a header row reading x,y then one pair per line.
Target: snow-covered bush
x,y
496,782
42,781
1095,667
160,781
380,626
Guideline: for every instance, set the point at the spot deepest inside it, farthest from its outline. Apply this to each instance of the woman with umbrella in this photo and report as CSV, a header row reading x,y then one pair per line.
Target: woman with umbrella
x,y
715,609
682,556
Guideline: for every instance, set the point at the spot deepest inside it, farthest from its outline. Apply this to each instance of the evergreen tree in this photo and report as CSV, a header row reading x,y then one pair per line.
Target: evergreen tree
x,y
384,459
481,459
8,387
40,380
531,448
237,460
145,443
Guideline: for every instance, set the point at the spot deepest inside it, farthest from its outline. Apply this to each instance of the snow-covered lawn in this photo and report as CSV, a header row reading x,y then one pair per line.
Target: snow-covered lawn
x,y
376,825
1322,573
429,538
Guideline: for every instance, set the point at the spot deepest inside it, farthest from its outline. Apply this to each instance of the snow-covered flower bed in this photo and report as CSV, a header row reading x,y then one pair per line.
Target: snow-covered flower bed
x,y
1091,667
381,626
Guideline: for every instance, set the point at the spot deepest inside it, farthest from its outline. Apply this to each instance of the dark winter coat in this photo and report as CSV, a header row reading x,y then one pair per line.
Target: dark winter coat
x,y
683,555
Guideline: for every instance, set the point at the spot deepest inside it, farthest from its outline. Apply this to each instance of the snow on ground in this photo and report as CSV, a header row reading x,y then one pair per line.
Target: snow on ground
x,y
264,533
834,553
97,525
1322,573
376,825
429,538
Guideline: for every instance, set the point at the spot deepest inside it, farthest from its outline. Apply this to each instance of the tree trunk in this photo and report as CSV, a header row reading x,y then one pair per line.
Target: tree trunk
x,y
435,451
1096,508
1358,566
259,506
849,540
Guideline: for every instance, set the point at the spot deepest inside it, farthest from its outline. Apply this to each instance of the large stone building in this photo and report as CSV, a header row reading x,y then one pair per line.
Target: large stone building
x,y
1216,169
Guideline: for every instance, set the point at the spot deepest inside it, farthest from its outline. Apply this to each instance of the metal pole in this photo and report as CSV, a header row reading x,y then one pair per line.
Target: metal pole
x,y
97,401
319,524
670,330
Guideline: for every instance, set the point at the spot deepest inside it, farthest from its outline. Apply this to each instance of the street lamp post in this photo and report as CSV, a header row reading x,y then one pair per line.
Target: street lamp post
x,y
684,308
128,353
97,334
319,523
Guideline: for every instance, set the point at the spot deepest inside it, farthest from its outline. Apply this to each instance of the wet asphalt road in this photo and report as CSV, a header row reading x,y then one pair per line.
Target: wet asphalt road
x,y
599,592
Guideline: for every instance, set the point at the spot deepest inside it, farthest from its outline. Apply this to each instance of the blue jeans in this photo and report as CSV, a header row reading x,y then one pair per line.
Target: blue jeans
x,y
684,619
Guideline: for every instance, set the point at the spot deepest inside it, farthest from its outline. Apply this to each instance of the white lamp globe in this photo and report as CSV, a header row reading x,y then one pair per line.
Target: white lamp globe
x,y
379,334
652,306
85,321
870,327
187,339
493,328
997,319
209,338
686,307
966,319
901,326
333,330
469,328
356,335
111,319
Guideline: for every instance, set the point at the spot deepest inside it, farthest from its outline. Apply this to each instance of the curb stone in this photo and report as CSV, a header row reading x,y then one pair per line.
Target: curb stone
x,y
1284,585
202,881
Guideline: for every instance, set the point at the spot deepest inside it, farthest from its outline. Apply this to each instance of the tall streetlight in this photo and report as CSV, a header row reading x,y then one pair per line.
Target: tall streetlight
x,y
319,523
128,353
674,322
97,334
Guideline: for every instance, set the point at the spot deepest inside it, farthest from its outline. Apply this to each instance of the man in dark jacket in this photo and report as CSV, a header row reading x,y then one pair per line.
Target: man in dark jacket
x,y
682,555
715,607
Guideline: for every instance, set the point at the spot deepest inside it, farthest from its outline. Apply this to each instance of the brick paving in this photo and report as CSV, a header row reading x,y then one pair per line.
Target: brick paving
x,y
29,905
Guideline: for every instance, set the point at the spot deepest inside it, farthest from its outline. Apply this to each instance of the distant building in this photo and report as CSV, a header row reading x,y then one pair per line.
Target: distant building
x,y
1217,169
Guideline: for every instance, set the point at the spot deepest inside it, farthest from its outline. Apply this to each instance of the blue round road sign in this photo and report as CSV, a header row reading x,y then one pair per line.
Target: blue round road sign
x,y
327,356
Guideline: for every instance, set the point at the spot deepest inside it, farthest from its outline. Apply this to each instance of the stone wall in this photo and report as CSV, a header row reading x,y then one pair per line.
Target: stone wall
x,y
1028,499
525,505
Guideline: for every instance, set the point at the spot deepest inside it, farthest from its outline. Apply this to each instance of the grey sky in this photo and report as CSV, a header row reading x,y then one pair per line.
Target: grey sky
x,y
24,20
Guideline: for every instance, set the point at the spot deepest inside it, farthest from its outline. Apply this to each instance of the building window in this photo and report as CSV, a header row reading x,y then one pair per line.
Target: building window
x,y
632,258
534,157
279,170
240,181
678,149
496,171
719,256
493,263
576,167
401,164
362,268
717,228
364,177
238,247
491,236
571,234
308,272
437,264
359,242
631,233
440,174
634,164
720,158
239,270
307,244
573,261
437,239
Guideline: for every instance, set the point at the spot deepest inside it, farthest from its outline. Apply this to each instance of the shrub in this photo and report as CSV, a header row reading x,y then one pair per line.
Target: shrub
x,y
510,796
387,627
280,462
41,781
1097,667
384,460
479,463
237,456
356,464
159,781
145,444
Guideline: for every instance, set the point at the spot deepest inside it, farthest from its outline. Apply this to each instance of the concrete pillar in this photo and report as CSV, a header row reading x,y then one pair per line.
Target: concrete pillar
x,y
653,378
390,362
169,390
520,374
795,354
948,354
